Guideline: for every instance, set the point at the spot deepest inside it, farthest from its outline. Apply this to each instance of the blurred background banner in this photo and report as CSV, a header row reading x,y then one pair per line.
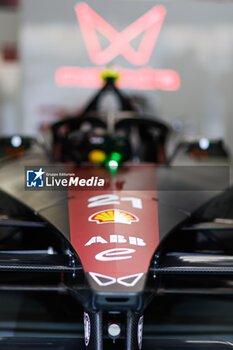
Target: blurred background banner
x,y
182,72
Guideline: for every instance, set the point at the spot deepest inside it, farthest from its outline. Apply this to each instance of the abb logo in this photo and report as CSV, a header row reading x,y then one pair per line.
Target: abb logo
x,y
150,23
116,239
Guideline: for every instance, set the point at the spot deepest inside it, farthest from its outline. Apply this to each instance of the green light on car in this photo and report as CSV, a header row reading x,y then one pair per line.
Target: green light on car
x,y
115,156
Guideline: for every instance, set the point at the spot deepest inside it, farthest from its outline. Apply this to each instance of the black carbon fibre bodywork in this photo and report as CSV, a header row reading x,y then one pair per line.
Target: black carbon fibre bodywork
x,y
77,344
45,214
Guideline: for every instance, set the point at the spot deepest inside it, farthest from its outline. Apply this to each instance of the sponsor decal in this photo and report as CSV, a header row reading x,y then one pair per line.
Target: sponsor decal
x,y
115,254
113,216
35,178
87,328
102,280
116,239
127,281
140,331
130,281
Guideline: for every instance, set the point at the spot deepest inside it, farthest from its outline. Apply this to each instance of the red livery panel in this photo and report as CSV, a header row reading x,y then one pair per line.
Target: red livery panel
x,y
115,233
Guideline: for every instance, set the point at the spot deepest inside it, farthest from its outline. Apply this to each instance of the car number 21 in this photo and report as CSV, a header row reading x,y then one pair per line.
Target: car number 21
x,y
110,199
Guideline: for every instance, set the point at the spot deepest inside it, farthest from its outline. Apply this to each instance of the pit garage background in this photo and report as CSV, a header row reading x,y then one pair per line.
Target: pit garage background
x,y
195,40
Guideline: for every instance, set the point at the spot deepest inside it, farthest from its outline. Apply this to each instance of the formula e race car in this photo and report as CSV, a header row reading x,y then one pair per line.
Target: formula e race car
x,y
103,226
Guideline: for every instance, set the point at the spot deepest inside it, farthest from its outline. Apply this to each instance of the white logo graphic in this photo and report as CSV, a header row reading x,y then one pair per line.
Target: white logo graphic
x,y
130,281
110,199
102,280
116,239
113,254
127,281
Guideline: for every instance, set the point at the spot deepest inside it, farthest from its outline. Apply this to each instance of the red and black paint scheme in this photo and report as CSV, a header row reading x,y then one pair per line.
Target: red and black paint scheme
x,y
114,248
109,241
118,243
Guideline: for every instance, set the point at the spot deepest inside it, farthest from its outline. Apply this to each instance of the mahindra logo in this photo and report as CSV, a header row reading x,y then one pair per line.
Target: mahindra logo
x,y
150,23
143,78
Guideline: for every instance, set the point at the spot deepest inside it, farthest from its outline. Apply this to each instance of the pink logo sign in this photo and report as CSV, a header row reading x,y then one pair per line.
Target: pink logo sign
x,y
144,78
150,23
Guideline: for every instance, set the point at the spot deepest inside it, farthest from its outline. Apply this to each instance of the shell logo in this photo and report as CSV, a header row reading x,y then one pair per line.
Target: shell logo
x,y
113,216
